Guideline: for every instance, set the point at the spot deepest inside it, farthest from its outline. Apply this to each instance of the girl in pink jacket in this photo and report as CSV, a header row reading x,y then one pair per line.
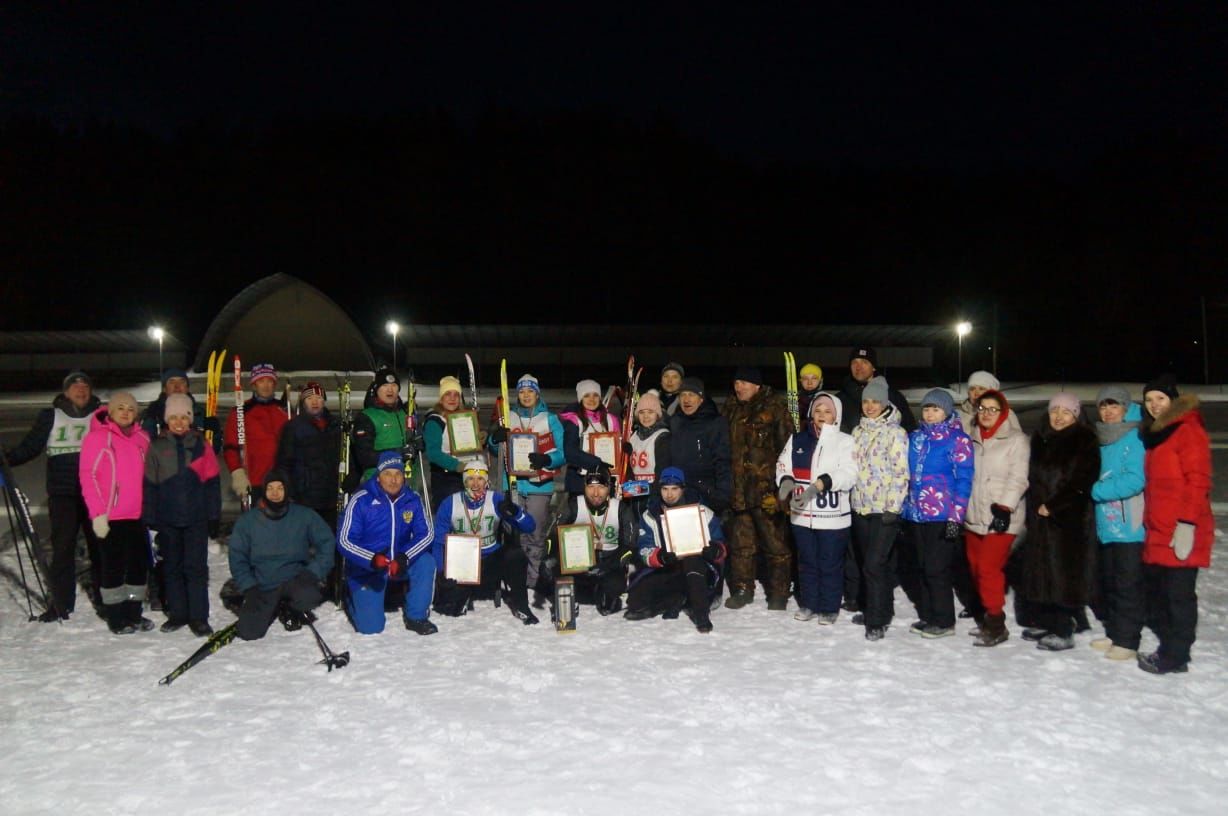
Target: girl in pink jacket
x,y
112,473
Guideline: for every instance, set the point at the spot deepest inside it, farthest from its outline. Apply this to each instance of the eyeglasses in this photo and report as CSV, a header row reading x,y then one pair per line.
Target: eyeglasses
x,y
985,409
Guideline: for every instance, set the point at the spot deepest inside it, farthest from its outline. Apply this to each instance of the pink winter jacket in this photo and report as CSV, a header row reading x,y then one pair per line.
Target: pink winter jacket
x,y
112,468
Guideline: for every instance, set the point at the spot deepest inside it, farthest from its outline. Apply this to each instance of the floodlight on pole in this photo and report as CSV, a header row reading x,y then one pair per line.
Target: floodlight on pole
x,y
156,333
962,328
393,328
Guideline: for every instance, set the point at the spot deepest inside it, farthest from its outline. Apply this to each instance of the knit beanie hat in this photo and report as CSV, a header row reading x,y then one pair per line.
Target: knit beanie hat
x,y
171,373
385,376
692,384
649,402
390,459
812,368
587,387
1067,400
122,398
864,353
672,476
1165,383
76,377
1113,393
672,366
449,383
528,381
263,371
750,374
311,389
876,389
940,398
983,379
178,405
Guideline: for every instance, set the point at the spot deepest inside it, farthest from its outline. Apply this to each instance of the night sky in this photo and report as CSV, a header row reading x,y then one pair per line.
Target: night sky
x,y
753,165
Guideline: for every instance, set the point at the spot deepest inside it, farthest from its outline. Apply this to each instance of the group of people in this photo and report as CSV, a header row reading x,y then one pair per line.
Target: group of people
x,y
836,511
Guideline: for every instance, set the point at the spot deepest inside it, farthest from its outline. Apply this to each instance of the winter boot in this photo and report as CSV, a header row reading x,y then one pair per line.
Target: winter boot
x,y
700,618
1055,643
421,627
1156,663
1102,644
993,631
804,614
876,632
917,627
200,628
778,603
740,598
1034,634
1121,653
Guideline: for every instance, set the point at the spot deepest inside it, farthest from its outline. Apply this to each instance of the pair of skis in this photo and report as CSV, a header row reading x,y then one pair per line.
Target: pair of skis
x,y
632,398
791,389
213,385
245,501
224,637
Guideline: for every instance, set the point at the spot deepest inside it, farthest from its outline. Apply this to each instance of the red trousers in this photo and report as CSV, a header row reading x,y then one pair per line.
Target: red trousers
x,y
987,556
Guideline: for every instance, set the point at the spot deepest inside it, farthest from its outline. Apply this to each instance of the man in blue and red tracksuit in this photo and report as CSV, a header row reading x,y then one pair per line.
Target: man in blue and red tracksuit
x,y
385,536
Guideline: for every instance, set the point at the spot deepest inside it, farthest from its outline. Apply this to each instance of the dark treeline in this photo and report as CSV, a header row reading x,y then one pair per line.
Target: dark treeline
x,y
1095,272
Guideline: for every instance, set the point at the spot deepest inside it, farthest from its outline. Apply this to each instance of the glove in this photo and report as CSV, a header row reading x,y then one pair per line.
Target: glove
x,y
825,480
951,532
507,508
380,562
540,461
798,503
398,565
787,486
769,505
1183,540
414,445
498,435
711,553
666,558
214,528
239,483
1001,518
102,528
627,449
890,518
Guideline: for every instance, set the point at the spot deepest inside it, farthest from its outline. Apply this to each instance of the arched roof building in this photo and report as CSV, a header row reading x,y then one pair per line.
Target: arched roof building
x,y
289,323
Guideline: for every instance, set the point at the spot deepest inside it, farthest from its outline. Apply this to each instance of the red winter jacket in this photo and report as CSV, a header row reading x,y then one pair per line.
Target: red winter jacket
x,y
262,423
1178,487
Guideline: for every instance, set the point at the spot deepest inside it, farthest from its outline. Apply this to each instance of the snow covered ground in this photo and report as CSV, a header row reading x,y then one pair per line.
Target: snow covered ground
x,y
765,715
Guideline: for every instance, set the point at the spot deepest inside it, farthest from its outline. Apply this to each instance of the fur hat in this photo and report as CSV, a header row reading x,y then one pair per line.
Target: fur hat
x,y
750,374
983,379
864,353
587,387
75,377
692,384
939,398
262,371
1067,400
1165,383
876,389
178,405
1113,393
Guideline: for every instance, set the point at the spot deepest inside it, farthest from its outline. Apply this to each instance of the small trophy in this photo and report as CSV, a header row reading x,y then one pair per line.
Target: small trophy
x,y
565,605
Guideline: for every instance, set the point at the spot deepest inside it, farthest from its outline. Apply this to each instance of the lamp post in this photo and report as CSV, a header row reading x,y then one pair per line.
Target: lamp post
x,y
961,328
156,333
393,328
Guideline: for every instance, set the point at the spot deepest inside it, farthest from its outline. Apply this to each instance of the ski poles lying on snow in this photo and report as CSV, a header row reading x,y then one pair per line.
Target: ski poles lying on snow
x,y
291,619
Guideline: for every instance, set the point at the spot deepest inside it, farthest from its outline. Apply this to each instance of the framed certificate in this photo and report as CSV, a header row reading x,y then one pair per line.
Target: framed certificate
x,y
608,447
576,548
462,559
520,445
463,434
688,535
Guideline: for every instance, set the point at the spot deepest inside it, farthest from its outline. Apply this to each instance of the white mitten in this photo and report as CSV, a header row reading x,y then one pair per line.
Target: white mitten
x,y
1183,540
239,482
101,527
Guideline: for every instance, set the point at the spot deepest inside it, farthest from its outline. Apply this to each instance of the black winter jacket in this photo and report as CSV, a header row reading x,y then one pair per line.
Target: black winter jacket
x,y
310,457
699,444
62,476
